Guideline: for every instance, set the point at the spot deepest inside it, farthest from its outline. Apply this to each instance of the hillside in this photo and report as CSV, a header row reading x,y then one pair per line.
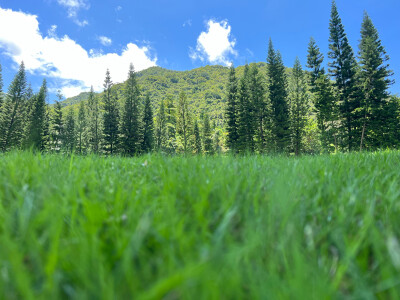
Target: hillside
x,y
205,87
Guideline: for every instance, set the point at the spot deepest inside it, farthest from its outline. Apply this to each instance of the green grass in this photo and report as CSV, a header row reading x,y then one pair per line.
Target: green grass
x,y
159,227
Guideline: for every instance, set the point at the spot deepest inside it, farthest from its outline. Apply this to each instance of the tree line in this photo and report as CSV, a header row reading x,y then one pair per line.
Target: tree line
x,y
351,105
347,108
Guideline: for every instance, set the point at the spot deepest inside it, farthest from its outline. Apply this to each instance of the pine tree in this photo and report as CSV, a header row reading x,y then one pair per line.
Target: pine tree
x,y
13,112
148,126
37,131
161,128
69,135
375,78
57,124
207,136
298,106
131,125
277,88
323,97
81,128
183,121
171,124
110,120
94,122
231,112
343,68
197,138
245,119
260,108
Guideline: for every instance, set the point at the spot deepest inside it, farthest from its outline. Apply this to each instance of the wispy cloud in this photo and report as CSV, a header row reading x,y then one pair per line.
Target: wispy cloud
x,y
73,7
105,41
63,59
215,45
187,23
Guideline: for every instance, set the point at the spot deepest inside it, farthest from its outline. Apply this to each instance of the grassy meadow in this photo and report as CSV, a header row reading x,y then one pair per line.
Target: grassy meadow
x,y
156,227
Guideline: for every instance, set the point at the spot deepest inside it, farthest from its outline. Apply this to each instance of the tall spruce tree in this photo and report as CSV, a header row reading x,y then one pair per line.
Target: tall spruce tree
x,y
94,122
322,96
161,128
207,135
148,126
37,122
12,116
183,122
231,112
245,118
81,128
69,136
57,124
343,68
110,120
171,124
131,125
277,90
298,106
375,79
197,138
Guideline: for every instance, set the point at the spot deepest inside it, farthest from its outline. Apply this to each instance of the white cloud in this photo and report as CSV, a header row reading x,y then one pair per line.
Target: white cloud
x,y
62,58
105,41
73,7
215,45
187,23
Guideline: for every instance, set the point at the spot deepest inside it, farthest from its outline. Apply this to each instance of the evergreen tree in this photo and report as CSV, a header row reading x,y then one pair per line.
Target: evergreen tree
x,y
94,122
197,138
343,68
323,97
231,112
69,135
183,120
131,127
207,136
110,120
148,126
375,78
1,89
161,128
298,106
81,128
37,131
245,119
277,88
13,112
260,108
57,124
171,124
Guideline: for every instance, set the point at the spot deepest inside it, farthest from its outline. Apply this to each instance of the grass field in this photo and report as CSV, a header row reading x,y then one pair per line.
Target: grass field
x,y
159,227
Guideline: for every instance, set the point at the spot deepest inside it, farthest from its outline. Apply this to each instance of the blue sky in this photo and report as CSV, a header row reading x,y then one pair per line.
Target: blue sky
x,y
72,42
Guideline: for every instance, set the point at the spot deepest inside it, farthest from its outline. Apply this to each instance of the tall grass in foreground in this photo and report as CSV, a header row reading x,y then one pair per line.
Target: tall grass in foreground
x,y
200,227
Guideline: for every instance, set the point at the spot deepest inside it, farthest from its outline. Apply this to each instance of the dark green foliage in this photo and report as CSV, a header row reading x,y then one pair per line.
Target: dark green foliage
x,y
12,117
298,106
148,126
57,125
375,78
343,68
131,125
1,89
245,118
197,139
81,129
161,136
183,121
110,119
207,136
277,88
69,136
231,111
37,121
93,122
325,105
171,124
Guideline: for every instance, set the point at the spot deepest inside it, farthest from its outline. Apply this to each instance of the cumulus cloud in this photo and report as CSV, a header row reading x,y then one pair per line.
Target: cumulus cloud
x,y
63,59
215,45
105,41
73,7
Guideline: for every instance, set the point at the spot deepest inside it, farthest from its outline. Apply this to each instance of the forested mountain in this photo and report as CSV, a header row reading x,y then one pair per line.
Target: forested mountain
x,y
204,87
